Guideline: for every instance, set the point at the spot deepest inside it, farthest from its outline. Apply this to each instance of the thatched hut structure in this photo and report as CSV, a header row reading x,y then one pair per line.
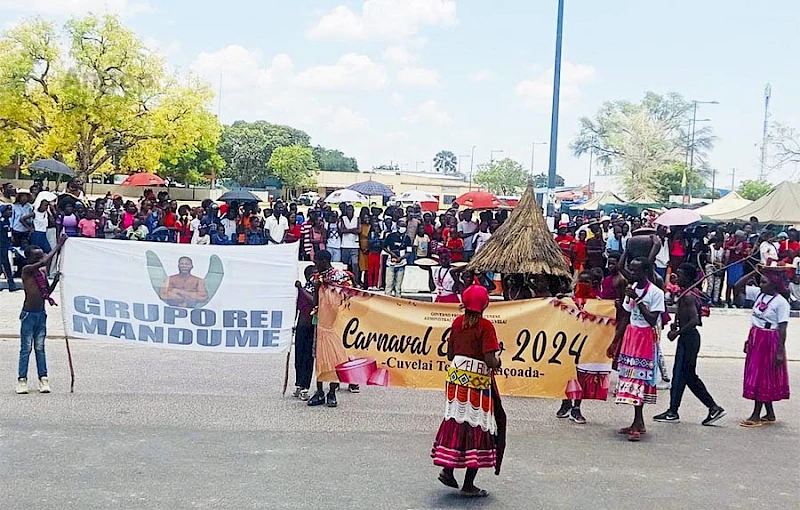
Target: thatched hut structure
x,y
522,244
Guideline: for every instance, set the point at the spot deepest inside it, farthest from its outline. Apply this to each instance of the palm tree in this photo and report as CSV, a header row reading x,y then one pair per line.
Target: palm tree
x,y
445,162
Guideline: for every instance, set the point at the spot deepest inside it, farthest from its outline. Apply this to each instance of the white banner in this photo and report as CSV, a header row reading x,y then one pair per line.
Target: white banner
x,y
180,296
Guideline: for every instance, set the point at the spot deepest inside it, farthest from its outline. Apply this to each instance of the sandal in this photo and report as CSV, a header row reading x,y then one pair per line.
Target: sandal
x,y
448,481
634,436
749,424
627,430
480,494
767,421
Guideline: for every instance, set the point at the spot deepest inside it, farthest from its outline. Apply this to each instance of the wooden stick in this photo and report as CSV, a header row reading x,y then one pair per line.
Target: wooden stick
x,y
286,371
71,368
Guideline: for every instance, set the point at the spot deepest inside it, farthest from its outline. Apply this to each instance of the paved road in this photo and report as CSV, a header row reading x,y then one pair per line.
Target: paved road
x,y
156,429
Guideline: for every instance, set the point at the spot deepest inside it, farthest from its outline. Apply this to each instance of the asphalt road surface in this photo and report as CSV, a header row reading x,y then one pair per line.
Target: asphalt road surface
x,y
149,428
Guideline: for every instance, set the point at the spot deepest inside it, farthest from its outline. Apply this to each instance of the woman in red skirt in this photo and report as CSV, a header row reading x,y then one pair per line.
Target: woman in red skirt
x,y
766,377
472,434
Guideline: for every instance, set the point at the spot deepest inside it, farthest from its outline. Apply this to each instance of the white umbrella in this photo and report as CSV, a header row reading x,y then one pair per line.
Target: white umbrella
x,y
44,195
417,196
346,195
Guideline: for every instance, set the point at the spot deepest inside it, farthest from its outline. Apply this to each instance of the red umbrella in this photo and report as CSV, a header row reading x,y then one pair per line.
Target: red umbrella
x,y
143,179
479,200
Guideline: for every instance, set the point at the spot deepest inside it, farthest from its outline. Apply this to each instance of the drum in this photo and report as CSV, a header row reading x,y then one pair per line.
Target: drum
x,y
594,380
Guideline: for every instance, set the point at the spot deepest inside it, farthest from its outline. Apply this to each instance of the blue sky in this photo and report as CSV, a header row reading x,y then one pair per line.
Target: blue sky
x,y
398,80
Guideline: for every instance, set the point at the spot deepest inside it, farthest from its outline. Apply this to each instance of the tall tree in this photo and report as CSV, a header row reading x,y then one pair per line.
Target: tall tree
x,y
504,177
786,143
668,181
445,162
247,148
634,140
540,180
107,98
294,166
753,190
331,160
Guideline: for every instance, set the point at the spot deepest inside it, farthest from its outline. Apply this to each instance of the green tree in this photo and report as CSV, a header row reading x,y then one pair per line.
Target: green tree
x,y
445,162
331,160
504,177
669,181
634,140
107,99
753,190
540,180
294,166
247,148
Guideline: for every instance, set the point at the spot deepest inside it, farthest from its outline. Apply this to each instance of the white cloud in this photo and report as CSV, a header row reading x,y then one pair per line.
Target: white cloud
x,y
78,7
396,99
352,72
345,120
537,93
384,19
428,112
418,76
483,75
398,54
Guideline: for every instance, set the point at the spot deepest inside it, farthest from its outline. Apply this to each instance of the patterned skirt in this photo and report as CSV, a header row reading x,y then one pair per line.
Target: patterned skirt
x,y
470,436
763,380
636,365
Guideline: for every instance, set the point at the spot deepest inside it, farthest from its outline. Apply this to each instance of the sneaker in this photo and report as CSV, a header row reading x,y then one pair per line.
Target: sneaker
x,y
331,400
317,400
297,390
666,385
667,417
354,388
576,416
714,414
564,410
22,386
304,395
44,385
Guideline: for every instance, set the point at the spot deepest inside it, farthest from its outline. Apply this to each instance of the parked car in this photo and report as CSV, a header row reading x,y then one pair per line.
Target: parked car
x,y
308,198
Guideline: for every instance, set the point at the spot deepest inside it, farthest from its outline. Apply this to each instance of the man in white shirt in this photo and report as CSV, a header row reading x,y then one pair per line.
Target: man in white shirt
x,y
662,257
276,225
466,230
350,229
767,250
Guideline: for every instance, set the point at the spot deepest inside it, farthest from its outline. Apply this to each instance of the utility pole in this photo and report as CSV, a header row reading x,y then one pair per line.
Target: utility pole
x,y
733,179
551,171
713,183
589,186
471,163
762,174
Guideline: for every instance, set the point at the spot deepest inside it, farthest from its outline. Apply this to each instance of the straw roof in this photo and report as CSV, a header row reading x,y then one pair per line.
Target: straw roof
x,y
522,244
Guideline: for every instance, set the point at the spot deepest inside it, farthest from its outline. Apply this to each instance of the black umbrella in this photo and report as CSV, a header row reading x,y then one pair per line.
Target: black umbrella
x,y
372,188
239,195
52,166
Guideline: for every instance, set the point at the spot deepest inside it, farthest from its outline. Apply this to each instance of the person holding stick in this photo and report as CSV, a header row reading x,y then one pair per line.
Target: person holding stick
x,y
766,376
33,329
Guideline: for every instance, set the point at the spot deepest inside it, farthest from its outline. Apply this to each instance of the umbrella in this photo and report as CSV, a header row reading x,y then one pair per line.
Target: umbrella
x,y
417,196
52,166
44,195
478,200
143,179
239,195
372,188
678,217
346,195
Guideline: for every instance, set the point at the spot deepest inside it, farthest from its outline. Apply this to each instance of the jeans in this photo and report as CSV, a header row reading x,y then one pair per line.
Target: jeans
x,y
662,272
684,373
394,280
32,332
350,258
336,254
40,240
467,255
714,285
304,355
6,269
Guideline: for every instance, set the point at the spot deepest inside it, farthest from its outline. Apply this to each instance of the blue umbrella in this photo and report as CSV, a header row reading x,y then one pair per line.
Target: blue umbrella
x,y
52,166
372,188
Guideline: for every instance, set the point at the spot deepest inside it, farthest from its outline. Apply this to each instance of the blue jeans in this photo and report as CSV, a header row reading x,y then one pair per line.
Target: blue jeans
x,y
32,333
40,240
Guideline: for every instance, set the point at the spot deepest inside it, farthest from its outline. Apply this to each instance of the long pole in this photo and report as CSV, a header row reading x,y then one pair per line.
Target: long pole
x,y
713,183
733,179
691,150
471,162
765,136
589,187
551,173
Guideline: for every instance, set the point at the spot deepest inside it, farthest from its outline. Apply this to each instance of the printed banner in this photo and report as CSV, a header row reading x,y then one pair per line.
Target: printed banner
x,y
180,296
546,343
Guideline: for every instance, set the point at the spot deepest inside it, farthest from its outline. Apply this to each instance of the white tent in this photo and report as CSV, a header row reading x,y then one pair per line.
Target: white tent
x,y
730,202
780,206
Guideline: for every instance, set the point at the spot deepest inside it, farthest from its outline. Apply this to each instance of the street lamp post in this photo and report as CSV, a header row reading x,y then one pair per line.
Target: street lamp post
x,y
691,146
471,162
551,173
533,154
